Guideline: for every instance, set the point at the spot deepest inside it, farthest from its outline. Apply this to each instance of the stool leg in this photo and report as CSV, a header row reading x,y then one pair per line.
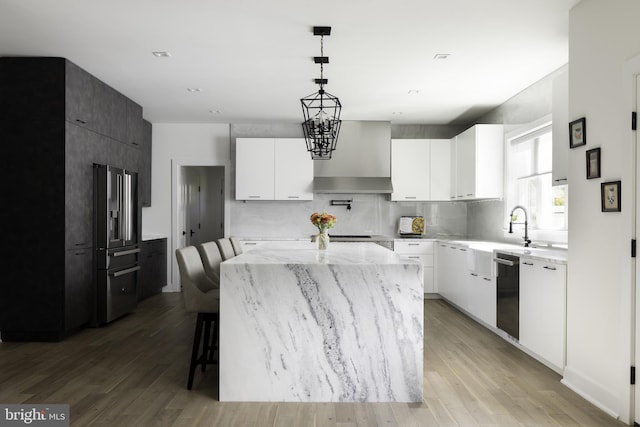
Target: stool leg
x,y
194,351
206,344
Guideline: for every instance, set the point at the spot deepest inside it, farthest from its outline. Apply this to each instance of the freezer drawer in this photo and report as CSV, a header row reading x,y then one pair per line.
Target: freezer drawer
x,y
117,293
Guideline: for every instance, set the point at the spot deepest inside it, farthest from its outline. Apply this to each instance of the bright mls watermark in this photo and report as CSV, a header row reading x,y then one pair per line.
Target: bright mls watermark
x,y
34,415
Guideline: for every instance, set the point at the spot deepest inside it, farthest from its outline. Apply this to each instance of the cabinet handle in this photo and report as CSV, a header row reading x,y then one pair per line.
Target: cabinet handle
x,y
80,244
128,252
549,268
413,257
410,197
254,197
134,143
486,278
474,274
413,244
250,243
470,194
462,249
293,197
560,180
81,121
527,263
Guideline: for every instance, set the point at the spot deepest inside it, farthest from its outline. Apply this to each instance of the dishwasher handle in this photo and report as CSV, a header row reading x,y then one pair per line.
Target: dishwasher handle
x,y
505,262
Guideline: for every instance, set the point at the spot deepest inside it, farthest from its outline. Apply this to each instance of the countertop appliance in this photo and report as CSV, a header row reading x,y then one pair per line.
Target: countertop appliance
x,y
508,293
116,242
411,226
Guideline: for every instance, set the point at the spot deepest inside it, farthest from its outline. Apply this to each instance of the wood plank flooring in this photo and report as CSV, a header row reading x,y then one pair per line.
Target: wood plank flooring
x,y
134,373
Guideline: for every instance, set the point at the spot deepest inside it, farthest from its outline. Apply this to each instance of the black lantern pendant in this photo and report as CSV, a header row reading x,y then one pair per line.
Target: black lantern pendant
x,y
321,111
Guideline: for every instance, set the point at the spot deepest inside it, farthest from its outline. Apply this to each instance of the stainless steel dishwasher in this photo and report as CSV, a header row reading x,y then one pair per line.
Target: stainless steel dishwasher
x,y
508,293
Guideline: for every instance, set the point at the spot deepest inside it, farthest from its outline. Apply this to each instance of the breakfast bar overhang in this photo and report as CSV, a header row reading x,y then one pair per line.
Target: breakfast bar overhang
x,y
302,325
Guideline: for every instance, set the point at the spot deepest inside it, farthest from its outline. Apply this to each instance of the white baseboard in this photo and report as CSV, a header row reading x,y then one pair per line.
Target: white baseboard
x,y
592,391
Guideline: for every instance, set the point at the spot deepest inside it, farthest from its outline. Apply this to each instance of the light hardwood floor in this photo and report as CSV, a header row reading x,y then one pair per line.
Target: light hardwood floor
x,y
134,373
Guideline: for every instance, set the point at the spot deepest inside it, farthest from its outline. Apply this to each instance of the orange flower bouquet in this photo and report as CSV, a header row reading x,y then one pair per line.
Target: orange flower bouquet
x,y
323,221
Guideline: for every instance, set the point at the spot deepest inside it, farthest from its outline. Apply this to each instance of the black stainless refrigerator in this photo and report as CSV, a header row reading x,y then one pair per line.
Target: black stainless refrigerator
x,y
117,251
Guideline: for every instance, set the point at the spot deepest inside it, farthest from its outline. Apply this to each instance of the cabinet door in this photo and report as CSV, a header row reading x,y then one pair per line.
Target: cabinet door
x,y
543,309
79,96
254,169
482,298
80,150
118,112
101,107
134,124
145,166
78,287
440,167
466,164
293,170
488,155
410,169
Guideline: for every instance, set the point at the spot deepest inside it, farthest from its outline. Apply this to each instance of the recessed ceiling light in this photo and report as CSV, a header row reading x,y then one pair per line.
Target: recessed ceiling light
x,y
441,56
161,54
214,111
397,113
194,89
413,92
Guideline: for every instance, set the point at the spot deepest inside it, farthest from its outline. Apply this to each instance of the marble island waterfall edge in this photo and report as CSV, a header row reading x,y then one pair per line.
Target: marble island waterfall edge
x,y
345,329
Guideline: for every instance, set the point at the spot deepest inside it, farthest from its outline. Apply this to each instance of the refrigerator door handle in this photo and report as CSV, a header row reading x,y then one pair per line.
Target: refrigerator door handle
x,y
120,208
123,253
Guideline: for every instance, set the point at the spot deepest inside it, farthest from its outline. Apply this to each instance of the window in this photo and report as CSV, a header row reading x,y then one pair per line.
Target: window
x,y
529,184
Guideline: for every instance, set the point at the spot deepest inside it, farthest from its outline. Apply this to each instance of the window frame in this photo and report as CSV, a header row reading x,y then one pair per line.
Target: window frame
x,y
538,235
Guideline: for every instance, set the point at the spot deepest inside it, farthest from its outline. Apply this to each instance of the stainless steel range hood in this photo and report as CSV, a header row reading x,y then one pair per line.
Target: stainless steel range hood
x,y
361,162
350,185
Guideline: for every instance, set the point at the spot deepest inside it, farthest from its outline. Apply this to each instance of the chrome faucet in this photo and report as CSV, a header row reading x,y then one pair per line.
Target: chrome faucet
x,y
526,231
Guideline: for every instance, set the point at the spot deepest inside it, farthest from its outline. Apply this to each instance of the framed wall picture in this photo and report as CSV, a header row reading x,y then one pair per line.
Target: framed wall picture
x,y
610,195
593,163
578,133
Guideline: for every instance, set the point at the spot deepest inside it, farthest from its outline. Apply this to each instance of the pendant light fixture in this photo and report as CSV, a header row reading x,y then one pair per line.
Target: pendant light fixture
x,y
321,110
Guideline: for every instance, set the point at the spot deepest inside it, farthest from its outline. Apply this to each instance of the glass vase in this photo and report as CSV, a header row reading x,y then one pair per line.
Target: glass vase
x,y
323,240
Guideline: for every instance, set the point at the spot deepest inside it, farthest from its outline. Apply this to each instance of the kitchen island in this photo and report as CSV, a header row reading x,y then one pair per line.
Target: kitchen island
x,y
302,325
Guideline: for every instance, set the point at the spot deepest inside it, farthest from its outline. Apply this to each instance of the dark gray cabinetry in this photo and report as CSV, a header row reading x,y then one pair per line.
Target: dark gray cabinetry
x,y
153,267
56,121
145,165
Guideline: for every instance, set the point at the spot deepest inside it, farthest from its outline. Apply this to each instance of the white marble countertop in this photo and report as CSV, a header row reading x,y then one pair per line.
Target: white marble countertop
x,y
303,252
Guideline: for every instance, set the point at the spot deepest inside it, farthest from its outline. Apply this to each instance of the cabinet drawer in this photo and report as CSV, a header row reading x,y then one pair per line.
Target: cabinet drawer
x,y
425,259
413,247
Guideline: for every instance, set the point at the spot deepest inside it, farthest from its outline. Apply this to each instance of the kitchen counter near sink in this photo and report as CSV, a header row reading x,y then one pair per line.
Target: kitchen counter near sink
x,y
552,255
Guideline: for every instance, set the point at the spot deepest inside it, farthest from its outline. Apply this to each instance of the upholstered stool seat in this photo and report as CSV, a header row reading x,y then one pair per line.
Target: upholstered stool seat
x,y
202,296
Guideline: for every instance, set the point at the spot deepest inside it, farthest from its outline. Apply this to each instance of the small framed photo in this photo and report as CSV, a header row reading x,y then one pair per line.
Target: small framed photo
x,y
578,133
610,195
593,163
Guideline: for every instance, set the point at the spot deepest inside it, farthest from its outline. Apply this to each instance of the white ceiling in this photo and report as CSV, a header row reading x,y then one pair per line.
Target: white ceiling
x,y
252,59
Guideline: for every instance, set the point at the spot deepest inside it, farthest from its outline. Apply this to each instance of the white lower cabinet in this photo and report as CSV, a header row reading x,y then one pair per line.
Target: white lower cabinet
x,y
482,288
421,250
543,309
451,273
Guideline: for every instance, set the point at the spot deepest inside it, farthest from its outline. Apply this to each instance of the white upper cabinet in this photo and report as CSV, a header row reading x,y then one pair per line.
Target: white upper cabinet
x,y
273,169
420,169
440,162
255,169
293,170
477,163
560,127
410,174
